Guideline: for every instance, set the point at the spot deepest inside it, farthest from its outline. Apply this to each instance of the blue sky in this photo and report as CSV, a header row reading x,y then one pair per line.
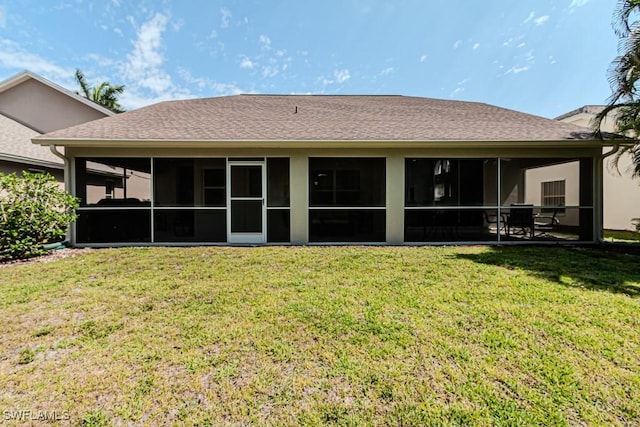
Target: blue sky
x,y
544,57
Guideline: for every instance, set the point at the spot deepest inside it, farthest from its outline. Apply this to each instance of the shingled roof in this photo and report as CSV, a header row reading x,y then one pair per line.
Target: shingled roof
x,y
15,147
321,118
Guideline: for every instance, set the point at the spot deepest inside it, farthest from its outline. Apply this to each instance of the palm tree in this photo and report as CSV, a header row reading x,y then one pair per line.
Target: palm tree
x,y
624,78
104,93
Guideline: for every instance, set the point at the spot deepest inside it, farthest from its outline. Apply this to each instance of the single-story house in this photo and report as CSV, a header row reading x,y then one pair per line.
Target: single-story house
x,y
304,169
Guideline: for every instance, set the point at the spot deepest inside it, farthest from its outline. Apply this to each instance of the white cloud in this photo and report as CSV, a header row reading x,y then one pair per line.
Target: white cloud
x,y
541,20
529,18
211,85
457,44
247,63
514,41
133,99
341,76
521,45
265,41
226,17
423,58
457,91
118,31
576,4
517,70
476,46
270,71
529,57
143,63
177,25
387,71
13,56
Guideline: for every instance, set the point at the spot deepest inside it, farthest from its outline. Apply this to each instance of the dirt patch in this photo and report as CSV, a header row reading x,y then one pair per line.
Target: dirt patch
x,y
53,255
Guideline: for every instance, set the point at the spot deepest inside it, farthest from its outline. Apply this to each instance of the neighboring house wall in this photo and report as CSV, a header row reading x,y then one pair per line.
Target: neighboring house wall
x,y
43,108
18,168
570,173
621,192
30,106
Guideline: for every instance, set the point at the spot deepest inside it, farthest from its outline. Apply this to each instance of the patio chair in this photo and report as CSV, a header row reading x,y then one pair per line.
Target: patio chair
x,y
491,219
546,223
521,219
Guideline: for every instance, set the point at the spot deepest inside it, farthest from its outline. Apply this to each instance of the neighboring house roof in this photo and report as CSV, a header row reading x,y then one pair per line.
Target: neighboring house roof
x,y
320,118
30,104
15,147
591,110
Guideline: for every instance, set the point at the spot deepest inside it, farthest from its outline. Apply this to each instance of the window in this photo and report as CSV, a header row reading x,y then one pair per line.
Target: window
x,y
447,200
347,198
115,199
347,182
553,195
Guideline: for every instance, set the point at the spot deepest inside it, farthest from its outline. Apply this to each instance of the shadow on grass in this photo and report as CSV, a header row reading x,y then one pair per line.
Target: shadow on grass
x,y
590,268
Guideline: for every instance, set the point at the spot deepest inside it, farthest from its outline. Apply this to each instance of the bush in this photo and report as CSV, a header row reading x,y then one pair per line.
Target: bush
x,y
33,210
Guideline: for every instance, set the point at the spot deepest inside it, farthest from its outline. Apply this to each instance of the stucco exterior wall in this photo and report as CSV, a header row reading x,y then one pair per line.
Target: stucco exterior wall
x,y
17,168
44,108
570,173
621,192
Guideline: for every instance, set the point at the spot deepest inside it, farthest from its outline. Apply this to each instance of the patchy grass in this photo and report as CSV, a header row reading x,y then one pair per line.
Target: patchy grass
x,y
621,236
325,335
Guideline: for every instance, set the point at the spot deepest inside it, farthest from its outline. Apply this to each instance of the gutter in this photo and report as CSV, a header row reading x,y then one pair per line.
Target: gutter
x,y
66,167
56,153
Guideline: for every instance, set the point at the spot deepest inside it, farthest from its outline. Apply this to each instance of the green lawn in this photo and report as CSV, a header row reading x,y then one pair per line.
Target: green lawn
x,y
324,335
621,236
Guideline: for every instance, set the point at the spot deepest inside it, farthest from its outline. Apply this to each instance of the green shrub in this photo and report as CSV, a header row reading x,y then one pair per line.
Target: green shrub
x,y
33,210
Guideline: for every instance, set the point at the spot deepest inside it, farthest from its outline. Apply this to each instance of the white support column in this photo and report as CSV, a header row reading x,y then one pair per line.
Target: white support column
x,y
395,199
598,199
299,191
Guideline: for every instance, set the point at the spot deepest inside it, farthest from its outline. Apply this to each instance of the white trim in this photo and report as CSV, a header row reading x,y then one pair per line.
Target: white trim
x,y
31,161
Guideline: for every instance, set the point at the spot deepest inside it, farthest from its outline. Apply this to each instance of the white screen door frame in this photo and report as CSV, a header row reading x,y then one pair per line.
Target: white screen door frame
x,y
246,201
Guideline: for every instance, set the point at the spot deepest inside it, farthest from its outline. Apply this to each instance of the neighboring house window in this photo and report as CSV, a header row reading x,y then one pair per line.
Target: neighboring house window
x,y
553,195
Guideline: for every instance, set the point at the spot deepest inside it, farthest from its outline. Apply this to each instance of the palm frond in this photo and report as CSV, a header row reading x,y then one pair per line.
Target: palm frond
x,y
83,84
622,15
104,94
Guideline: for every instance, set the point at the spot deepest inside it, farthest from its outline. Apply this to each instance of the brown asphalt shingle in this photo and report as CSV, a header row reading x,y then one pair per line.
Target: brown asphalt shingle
x,y
323,118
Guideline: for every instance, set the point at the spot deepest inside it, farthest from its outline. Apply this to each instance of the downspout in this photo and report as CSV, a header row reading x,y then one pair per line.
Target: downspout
x,y
67,177
602,157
